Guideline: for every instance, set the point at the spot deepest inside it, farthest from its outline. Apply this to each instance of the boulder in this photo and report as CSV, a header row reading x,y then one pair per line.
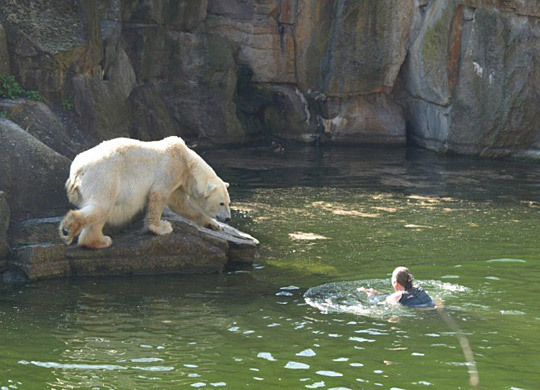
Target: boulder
x,y
277,110
4,224
289,115
33,175
189,249
71,54
264,44
351,48
4,52
371,119
432,65
37,119
45,41
498,89
519,7
101,101
465,71
469,99
177,15
187,86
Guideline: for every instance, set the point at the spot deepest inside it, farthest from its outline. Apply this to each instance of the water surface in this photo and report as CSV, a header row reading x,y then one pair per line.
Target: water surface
x,y
331,219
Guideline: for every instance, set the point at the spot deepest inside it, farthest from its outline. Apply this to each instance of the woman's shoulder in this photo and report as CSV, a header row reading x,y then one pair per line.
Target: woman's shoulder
x,y
394,298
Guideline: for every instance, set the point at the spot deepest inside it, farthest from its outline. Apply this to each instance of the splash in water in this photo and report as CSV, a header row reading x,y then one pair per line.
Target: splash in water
x,y
343,297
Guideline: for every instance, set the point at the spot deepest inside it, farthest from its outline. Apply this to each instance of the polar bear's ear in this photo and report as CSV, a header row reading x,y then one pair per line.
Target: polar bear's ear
x,y
226,184
209,189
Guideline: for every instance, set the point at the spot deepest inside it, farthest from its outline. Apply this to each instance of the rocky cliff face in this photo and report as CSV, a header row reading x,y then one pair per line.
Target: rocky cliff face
x,y
457,75
472,78
451,75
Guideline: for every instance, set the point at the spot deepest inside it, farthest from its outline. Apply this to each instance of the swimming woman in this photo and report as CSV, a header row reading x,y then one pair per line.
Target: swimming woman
x,y
404,292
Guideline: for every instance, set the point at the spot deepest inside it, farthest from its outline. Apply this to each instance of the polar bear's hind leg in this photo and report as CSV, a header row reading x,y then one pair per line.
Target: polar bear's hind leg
x,y
92,237
77,221
71,226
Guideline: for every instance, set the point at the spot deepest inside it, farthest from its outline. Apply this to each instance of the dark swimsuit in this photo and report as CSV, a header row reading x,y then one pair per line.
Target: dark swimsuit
x,y
416,297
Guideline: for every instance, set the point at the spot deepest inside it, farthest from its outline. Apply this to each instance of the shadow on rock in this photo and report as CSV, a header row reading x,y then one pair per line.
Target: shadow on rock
x,y
189,249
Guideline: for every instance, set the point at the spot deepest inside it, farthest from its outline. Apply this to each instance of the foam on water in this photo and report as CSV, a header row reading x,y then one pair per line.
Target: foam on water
x,y
343,297
506,260
107,367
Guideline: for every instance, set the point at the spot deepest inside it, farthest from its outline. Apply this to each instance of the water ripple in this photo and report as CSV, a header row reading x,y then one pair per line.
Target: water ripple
x,y
297,366
106,367
329,373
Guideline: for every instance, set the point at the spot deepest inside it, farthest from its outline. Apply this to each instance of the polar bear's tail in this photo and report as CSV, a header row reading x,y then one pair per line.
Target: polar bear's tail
x,y
72,189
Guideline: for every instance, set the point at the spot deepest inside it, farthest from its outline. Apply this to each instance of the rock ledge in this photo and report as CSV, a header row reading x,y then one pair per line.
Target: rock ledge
x,y
188,250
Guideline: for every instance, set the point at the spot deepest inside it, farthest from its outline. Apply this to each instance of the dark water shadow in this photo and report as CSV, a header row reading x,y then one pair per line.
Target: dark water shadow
x,y
407,170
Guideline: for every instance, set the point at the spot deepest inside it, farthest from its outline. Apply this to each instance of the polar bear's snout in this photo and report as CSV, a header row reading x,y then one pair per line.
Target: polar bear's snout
x,y
223,219
224,214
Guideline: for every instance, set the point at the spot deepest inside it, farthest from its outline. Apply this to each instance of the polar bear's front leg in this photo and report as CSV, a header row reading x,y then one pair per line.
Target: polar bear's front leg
x,y
180,204
211,223
156,202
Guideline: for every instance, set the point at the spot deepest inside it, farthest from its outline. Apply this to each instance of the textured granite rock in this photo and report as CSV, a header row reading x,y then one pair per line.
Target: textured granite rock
x,y
370,119
351,48
473,76
38,120
461,74
4,224
33,175
38,254
4,52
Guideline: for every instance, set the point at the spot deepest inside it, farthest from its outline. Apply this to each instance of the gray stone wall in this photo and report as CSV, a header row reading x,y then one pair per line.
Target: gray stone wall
x,y
4,224
458,75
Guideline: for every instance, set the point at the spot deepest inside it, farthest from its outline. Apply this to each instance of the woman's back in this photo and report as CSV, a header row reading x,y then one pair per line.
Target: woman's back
x,y
416,297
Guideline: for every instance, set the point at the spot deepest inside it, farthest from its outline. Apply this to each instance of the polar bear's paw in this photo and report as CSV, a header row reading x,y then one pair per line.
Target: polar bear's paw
x,y
93,238
163,228
214,225
71,226
103,242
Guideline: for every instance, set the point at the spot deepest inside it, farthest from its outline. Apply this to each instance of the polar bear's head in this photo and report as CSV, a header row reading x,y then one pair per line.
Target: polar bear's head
x,y
213,200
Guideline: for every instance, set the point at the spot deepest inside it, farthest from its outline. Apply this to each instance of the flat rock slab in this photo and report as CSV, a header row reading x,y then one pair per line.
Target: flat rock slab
x,y
189,249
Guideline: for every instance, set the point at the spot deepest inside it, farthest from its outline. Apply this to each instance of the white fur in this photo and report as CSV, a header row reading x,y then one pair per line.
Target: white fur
x,y
115,180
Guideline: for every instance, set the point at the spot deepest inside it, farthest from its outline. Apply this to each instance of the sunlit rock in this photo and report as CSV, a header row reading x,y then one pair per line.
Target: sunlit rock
x,y
371,119
264,42
351,48
39,254
469,99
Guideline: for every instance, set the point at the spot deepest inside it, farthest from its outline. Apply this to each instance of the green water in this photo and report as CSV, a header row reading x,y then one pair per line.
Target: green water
x,y
467,228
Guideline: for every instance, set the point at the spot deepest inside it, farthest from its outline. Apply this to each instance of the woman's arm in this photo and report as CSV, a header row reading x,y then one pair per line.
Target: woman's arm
x,y
368,291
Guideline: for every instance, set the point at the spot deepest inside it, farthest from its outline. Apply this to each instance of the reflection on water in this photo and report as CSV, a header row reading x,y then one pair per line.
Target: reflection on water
x,y
108,367
329,220
408,171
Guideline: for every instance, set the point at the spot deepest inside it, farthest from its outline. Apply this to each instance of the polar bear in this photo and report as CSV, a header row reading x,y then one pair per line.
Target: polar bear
x,y
116,179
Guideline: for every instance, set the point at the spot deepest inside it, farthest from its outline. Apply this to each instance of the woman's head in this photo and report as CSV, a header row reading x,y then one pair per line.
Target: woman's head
x,y
403,276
